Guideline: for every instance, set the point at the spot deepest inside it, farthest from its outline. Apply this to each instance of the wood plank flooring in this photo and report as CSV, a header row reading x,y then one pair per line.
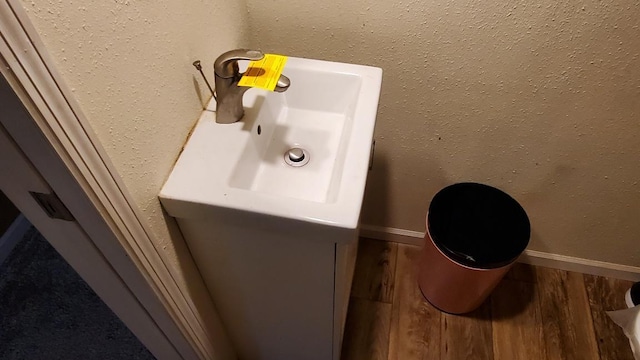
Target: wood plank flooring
x,y
534,313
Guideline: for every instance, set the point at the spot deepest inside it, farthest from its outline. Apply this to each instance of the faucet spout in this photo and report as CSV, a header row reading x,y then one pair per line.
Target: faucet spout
x,y
283,84
227,75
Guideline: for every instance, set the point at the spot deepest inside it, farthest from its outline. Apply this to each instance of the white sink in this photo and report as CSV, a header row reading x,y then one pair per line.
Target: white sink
x,y
329,110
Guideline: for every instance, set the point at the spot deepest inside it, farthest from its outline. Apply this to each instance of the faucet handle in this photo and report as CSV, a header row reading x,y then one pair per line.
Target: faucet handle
x,y
226,65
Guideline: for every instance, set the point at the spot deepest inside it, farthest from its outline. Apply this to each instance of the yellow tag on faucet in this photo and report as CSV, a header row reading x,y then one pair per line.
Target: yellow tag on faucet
x,y
264,73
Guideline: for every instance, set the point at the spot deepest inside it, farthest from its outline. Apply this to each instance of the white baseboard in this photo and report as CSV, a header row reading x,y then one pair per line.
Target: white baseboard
x,y
537,258
401,236
13,235
586,266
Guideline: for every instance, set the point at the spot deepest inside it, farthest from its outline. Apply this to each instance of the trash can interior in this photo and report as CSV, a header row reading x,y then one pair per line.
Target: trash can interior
x,y
478,226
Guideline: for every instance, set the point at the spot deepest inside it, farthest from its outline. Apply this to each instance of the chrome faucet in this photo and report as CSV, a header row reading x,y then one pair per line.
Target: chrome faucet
x,y
227,75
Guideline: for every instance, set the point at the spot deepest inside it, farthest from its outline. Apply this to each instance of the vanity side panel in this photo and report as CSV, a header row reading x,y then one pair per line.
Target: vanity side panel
x,y
346,253
274,293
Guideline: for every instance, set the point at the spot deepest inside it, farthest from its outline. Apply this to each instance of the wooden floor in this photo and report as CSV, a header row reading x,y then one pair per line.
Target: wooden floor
x,y
535,313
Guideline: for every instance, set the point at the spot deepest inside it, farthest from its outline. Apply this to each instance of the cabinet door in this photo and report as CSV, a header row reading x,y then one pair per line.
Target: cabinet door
x,y
274,293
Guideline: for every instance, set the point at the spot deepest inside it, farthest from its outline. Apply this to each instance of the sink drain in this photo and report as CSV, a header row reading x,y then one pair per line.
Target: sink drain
x,y
296,157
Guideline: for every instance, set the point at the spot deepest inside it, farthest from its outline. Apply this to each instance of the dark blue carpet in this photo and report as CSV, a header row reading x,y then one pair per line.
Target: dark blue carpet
x,y
48,312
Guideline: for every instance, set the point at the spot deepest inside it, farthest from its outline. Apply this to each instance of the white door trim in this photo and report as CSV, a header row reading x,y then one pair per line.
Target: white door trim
x,y
59,129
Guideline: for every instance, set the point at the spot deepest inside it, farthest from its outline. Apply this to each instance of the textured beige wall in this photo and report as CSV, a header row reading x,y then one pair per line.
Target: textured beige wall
x,y
539,99
129,64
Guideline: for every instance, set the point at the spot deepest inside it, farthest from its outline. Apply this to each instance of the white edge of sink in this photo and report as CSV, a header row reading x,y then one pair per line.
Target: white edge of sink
x,y
193,189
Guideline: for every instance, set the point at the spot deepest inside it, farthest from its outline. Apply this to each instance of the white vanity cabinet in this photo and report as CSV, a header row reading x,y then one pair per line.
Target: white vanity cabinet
x,y
275,237
282,291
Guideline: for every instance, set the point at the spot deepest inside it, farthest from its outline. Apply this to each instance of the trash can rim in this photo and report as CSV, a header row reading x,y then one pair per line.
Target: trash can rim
x,y
477,225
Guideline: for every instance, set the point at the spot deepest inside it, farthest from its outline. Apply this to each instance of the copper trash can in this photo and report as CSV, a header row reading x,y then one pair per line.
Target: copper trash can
x,y
474,235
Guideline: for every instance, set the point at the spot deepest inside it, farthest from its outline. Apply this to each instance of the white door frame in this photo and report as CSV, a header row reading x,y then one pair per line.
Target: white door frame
x,y
42,118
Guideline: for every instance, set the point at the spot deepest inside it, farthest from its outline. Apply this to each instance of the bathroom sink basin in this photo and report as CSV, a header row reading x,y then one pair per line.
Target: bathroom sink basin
x,y
329,111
